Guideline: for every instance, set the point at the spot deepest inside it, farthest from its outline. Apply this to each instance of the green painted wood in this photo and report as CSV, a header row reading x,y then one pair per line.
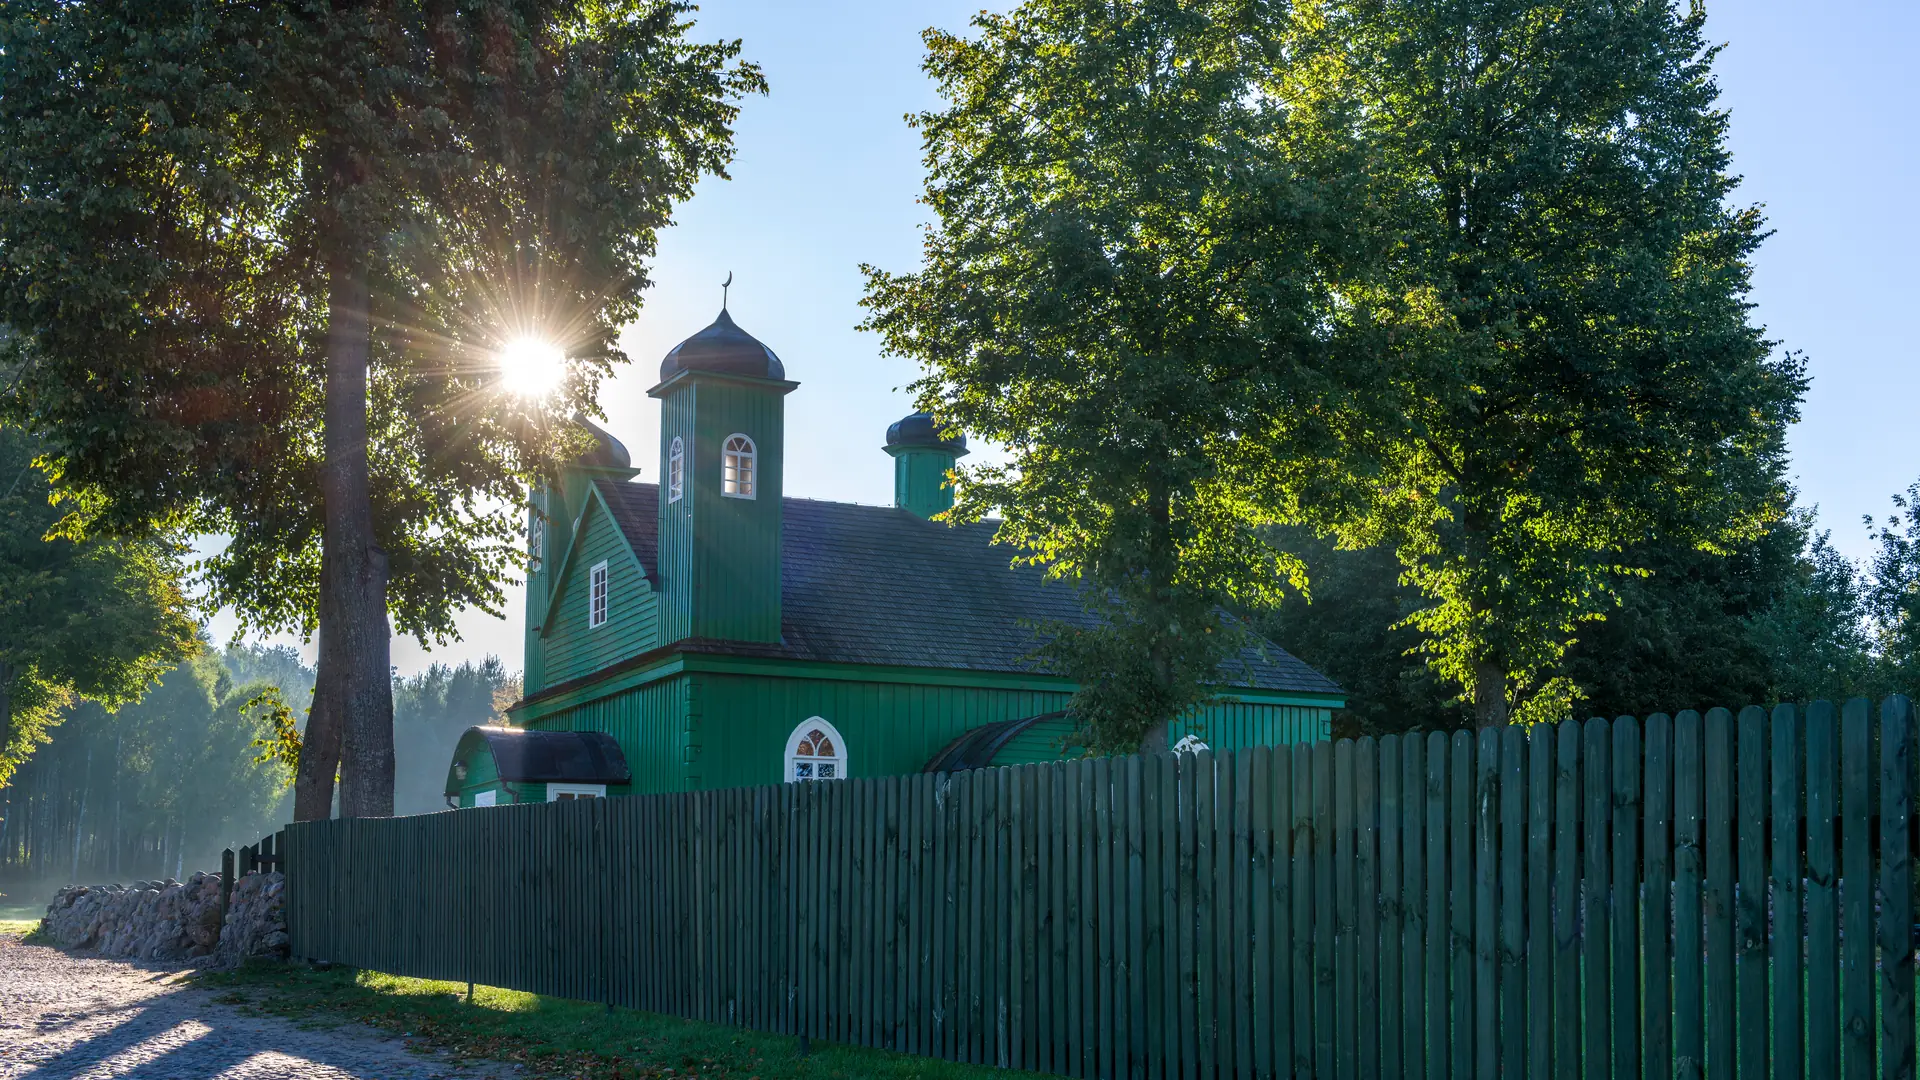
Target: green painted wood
x,y
1281,1015
1539,957
1567,1011
1413,912
1111,1037
1657,896
1512,1044
1486,898
1366,879
1241,940
1785,954
1463,790
1156,898
1439,1003
1624,899
1896,890
1326,993
1596,886
1689,869
1390,947
1858,1026
1133,900
1750,906
1346,1051
1717,841
1823,899
1260,894
1188,766
1048,943
1302,887
1208,998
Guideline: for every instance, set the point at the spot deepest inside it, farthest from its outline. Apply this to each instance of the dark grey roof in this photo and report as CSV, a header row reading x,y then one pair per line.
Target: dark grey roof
x,y
920,429
579,757
725,348
975,747
607,451
879,585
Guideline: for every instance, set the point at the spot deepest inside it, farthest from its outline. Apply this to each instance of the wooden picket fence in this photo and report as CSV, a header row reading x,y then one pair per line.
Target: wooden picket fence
x,y
1712,895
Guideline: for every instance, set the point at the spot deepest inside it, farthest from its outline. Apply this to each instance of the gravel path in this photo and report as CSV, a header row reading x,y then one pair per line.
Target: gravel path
x,y
64,1016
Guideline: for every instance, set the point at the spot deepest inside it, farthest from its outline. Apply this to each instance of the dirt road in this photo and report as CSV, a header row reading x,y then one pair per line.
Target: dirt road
x,y
64,1016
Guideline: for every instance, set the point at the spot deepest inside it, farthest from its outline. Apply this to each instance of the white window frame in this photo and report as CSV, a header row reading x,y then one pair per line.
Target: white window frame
x,y
536,541
739,467
1192,744
838,760
676,470
576,791
489,797
599,595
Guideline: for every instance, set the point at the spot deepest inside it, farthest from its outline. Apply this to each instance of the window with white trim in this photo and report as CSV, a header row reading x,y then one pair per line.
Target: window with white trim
x,y
815,751
485,798
1192,744
736,467
676,469
597,599
536,541
570,792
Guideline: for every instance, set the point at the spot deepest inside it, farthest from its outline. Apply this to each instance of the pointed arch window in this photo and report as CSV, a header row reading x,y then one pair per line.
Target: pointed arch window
x,y
815,751
737,459
676,470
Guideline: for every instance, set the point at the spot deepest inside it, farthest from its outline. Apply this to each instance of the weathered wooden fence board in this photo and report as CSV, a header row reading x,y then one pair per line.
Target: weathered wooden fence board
x,y
1702,897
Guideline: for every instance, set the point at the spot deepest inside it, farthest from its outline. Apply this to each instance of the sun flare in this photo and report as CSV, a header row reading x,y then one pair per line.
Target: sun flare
x,y
530,367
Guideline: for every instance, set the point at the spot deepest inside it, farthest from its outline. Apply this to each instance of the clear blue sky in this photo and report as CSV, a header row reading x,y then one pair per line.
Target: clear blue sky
x,y
1824,130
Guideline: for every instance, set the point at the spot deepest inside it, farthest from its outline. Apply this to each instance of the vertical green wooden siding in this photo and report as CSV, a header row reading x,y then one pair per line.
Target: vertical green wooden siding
x,y
720,556
920,479
1205,915
571,647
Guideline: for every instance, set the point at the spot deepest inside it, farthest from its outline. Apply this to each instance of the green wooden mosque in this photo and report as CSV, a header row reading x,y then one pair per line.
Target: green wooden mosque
x,y
707,631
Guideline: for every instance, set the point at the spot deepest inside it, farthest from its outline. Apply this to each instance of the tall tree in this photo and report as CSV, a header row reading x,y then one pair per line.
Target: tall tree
x,y
1558,285
1116,281
1893,595
266,260
99,619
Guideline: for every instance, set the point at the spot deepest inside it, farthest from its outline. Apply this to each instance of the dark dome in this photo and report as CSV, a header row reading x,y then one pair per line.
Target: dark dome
x,y
921,429
608,452
724,348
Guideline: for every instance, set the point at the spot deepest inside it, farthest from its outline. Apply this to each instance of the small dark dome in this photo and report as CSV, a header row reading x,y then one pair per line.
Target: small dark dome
x,y
724,348
921,429
608,452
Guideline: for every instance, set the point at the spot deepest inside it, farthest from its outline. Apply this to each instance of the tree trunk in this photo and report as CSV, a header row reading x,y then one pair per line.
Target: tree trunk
x,y
1490,694
354,676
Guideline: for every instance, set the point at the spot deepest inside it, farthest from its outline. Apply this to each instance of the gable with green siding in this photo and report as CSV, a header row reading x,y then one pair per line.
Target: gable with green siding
x,y
573,648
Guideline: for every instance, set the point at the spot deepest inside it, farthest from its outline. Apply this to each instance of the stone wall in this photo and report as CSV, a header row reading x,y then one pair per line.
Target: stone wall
x,y
169,920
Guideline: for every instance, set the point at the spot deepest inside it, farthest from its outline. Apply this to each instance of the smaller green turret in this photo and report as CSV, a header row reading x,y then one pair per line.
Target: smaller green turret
x,y
922,458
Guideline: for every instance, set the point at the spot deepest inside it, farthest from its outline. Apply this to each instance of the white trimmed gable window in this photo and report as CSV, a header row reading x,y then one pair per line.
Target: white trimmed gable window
x,y
676,470
736,467
597,598
570,792
536,541
815,751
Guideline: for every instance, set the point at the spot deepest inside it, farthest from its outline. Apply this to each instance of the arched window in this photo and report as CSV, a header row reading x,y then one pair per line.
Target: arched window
x,y
536,541
815,751
676,470
736,467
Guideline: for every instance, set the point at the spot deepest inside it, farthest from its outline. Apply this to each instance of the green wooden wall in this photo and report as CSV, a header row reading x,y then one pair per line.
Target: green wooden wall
x,y
720,556
697,730
633,614
920,479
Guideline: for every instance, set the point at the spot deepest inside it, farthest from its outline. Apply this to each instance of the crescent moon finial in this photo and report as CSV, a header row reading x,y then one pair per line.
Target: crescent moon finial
x,y
724,286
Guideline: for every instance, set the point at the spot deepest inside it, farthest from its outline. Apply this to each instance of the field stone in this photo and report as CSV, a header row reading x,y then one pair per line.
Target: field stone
x,y
173,920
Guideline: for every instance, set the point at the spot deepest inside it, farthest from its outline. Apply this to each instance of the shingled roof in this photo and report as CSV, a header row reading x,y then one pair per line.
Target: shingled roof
x,y
878,585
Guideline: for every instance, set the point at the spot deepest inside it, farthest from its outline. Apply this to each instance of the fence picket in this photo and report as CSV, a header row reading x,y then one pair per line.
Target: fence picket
x,y
1413,908
1624,899
1789,1062
1689,971
1896,890
1391,945
1717,841
1823,898
1595,892
1657,813
1750,906
1486,968
1439,1007
1856,893
1304,1046
1513,906
1346,1053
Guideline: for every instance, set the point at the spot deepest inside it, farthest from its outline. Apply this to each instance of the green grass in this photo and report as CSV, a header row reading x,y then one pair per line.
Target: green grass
x,y
10,925
556,1037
